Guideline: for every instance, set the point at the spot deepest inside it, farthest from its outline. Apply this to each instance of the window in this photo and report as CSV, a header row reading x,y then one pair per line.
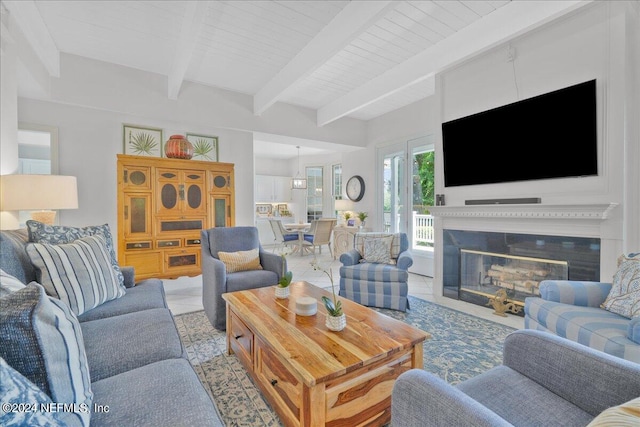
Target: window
x,y
336,184
336,181
314,192
37,154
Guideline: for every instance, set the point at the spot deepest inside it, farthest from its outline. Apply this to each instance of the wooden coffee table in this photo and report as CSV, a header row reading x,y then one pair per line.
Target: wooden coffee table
x,y
311,375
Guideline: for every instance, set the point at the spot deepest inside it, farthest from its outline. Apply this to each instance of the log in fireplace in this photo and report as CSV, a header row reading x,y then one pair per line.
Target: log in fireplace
x,y
480,267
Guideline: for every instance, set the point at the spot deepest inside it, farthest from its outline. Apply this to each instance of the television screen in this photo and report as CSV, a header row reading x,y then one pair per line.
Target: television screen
x,y
553,135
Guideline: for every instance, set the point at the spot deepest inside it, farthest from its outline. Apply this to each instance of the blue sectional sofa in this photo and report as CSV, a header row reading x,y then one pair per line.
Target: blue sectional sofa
x,y
571,309
138,371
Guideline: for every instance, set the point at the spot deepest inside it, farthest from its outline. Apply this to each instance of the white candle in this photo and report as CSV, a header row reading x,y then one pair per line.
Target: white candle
x,y
306,306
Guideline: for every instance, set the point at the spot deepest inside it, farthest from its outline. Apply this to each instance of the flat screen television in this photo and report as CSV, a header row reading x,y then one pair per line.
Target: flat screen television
x,y
553,135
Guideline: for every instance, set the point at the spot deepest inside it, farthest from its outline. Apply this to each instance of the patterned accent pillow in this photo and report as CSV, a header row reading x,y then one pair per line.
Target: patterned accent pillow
x,y
8,283
57,234
15,392
625,415
77,273
41,338
241,260
378,250
624,297
395,243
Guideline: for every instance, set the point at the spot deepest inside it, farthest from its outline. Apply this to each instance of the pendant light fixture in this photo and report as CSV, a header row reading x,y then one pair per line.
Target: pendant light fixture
x,y
298,183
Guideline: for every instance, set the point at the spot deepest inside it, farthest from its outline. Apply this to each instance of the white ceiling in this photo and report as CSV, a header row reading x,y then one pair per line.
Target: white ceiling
x,y
359,59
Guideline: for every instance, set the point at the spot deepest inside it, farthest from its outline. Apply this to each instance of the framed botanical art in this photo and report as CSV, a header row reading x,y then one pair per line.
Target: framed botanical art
x,y
204,147
142,141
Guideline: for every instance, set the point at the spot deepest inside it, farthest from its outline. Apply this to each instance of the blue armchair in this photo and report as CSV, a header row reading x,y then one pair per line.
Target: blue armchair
x,y
215,279
377,284
544,380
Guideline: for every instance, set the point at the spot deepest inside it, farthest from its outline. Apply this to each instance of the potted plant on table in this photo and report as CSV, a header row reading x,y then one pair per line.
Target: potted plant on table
x,y
362,216
336,319
282,290
346,215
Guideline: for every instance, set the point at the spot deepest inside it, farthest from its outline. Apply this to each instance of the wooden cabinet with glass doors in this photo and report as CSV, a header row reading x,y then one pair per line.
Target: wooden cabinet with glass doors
x,y
162,206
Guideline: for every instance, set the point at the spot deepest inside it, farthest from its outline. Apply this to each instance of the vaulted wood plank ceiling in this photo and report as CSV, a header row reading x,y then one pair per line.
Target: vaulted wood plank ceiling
x,y
342,58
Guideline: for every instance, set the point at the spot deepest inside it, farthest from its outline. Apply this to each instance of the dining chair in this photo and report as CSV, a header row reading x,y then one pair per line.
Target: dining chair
x,y
282,237
320,234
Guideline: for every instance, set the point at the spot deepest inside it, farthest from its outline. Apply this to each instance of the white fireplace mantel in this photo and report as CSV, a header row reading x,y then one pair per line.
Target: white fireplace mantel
x,y
502,211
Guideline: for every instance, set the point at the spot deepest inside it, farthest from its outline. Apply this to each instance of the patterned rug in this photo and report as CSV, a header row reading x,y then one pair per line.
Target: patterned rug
x,y
462,346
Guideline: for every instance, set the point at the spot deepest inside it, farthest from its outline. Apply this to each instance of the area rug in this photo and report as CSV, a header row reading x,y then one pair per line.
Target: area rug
x,y
462,346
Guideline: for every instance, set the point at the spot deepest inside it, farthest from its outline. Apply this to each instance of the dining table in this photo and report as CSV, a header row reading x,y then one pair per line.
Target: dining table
x,y
301,228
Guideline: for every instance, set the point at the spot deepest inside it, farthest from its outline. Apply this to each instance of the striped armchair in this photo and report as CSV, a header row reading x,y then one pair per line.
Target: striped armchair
x,y
571,309
377,284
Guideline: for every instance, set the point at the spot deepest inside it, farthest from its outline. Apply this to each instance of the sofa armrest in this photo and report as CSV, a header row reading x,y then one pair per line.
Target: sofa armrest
x,y
584,294
588,378
421,399
129,275
351,257
633,331
404,261
272,262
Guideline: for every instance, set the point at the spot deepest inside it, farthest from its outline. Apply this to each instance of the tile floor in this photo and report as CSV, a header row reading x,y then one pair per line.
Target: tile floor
x,y
185,294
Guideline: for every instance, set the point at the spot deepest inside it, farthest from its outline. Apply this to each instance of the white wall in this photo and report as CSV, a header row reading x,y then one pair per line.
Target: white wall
x,y
599,42
111,87
89,140
8,115
422,118
575,50
92,99
589,45
631,222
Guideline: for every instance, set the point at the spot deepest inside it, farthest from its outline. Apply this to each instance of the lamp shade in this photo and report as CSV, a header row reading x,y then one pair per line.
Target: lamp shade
x,y
34,192
343,205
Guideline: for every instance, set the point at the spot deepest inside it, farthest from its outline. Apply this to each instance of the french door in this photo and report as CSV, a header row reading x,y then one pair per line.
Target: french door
x,y
406,184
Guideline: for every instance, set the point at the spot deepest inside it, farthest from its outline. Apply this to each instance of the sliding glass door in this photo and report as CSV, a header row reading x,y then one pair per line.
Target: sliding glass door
x,y
394,192
407,186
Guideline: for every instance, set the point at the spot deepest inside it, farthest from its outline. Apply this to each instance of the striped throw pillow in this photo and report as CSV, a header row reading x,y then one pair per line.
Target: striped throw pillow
x,y
241,260
58,234
41,338
78,273
625,415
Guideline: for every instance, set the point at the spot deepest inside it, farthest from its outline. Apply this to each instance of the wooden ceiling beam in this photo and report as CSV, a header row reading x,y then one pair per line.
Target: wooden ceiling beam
x,y
356,17
192,23
30,23
500,26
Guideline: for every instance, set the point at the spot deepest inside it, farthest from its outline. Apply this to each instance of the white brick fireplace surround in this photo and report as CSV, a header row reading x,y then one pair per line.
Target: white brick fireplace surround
x,y
576,220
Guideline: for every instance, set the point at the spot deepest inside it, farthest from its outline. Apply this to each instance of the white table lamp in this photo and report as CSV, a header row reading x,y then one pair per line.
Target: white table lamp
x,y
40,193
342,206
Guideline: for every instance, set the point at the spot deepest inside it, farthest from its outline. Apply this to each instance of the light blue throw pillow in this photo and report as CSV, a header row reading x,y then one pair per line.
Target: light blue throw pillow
x,y
624,297
8,283
40,337
24,404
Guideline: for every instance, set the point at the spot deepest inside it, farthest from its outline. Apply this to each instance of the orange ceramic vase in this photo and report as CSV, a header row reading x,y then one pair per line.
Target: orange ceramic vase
x,y
178,147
